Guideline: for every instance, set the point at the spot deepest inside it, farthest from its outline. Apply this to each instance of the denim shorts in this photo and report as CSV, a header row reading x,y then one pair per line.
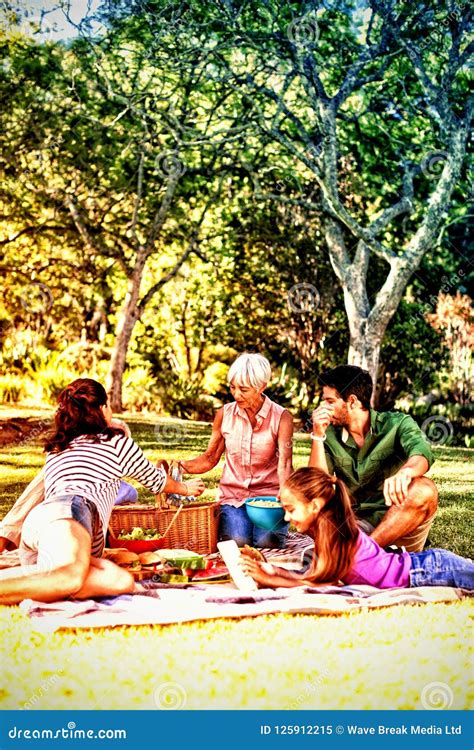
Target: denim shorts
x,y
72,507
438,567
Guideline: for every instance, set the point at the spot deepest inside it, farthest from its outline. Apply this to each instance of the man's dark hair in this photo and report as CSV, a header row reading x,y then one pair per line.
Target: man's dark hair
x,y
347,379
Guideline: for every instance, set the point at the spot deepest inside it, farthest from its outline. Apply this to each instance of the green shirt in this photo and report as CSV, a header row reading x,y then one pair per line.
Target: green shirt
x,y
393,438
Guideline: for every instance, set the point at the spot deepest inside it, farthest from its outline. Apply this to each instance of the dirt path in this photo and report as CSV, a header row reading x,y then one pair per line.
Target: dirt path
x,y
22,429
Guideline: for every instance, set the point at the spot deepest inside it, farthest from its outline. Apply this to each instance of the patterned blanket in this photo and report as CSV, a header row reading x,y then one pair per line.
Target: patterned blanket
x,y
158,604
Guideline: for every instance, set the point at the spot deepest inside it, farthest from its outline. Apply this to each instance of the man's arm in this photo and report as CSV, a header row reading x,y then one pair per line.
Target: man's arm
x,y
285,447
211,456
321,421
10,526
395,488
419,459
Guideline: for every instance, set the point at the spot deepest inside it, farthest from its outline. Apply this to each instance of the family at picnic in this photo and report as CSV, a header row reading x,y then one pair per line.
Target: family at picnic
x,y
364,498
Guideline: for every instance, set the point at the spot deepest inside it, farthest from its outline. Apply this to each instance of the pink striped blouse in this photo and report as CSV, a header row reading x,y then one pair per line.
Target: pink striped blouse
x,y
251,460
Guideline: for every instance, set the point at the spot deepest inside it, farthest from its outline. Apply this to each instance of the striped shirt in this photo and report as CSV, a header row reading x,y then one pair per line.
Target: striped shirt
x,y
94,471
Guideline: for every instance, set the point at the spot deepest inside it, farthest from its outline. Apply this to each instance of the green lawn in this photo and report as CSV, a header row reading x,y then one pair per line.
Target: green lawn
x,y
408,657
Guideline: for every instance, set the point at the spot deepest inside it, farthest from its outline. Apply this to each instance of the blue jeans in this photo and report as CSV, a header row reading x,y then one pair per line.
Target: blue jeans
x,y
438,567
234,523
126,494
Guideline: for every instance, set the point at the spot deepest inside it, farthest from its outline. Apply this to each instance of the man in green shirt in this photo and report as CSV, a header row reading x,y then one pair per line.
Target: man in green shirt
x,y
381,456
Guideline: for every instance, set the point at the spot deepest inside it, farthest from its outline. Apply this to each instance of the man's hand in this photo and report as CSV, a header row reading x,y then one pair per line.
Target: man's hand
x,y
322,419
395,488
194,487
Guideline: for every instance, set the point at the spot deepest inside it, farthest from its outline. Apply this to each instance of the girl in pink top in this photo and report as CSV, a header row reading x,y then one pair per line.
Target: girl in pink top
x,y
256,435
320,505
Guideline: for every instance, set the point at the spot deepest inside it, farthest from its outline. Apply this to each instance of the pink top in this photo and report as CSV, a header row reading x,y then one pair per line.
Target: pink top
x,y
251,460
375,567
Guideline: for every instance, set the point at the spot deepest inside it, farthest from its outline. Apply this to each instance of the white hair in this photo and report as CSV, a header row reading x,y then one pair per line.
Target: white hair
x,y
250,370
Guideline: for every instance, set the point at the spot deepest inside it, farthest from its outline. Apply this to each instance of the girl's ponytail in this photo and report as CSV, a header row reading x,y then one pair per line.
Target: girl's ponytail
x,y
335,529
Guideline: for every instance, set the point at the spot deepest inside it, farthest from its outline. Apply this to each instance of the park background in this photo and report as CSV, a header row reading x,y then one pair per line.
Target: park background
x,y
182,182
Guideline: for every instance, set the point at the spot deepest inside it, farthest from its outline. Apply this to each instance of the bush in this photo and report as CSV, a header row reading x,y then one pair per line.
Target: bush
x,y
443,422
13,388
140,392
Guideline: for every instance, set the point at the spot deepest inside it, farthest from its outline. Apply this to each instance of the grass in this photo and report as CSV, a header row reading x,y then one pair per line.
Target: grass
x,y
384,659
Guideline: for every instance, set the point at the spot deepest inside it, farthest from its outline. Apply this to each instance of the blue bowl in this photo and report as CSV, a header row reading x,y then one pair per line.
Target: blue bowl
x,y
265,517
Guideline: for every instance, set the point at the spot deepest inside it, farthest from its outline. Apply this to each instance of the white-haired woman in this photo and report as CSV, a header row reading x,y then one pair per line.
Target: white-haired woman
x,y
257,437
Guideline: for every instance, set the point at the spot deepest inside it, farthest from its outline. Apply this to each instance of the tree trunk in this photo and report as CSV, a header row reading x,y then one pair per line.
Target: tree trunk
x,y
364,349
129,315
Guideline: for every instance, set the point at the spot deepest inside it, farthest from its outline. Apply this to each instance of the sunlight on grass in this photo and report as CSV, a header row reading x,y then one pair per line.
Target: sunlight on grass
x,y
368,660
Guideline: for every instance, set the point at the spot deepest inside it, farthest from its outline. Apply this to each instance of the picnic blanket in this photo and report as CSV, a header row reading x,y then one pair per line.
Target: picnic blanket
x,y
159,604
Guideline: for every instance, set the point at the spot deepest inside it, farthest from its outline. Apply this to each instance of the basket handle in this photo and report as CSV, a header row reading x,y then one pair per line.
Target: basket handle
x,y
161,499
173,520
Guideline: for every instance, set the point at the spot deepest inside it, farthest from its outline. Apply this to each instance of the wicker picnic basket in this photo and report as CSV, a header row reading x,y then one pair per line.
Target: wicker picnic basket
x,y
193,524
195,527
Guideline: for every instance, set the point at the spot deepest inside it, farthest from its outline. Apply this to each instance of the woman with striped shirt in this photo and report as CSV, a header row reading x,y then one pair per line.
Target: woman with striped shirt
x,y
63,537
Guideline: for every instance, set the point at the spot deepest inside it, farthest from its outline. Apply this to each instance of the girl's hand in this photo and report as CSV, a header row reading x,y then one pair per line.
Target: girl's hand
x,y
262,573
194,487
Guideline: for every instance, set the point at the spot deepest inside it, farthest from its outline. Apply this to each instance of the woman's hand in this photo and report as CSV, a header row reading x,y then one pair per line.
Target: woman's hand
x,y
119,424
194,487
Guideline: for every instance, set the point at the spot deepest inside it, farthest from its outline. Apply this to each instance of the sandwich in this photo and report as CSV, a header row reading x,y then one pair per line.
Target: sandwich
x,y
126,559
151,561
253,553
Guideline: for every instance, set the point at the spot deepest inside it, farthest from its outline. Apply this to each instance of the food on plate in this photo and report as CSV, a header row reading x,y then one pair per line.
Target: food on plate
x,y
216,572
126,559
253,553
138,534
111,554
173,578
182,558
149,558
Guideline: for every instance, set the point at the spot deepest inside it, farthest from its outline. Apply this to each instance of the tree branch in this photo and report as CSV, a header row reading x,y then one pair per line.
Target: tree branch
x,y
83,231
